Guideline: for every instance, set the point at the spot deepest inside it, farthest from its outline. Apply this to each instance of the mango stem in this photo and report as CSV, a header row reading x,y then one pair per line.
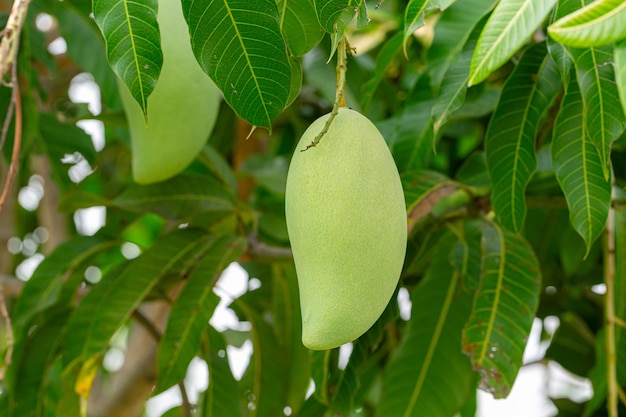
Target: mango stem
x,y
340,99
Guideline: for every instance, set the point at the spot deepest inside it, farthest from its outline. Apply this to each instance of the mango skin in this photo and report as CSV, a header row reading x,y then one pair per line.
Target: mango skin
x,y
347,224
182,108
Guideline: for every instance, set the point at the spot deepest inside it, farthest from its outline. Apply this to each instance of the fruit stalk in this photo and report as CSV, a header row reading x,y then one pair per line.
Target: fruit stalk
x,y
340,98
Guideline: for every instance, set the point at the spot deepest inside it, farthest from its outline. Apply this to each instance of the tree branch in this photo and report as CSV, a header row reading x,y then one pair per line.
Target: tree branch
x,y
261,252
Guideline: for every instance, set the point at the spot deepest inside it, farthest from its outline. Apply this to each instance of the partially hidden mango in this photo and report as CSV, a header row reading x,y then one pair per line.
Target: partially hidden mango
x,y
182,108
347,225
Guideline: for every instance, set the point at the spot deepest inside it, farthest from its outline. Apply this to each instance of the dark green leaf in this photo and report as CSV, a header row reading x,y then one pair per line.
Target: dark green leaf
x,y
504,307
473,173
573,345
385,57
133,43
288,323
578,168
182,196
267,391
559,54
61,139
299,25
29,395
44,287
417,380
239,44
86,48
605,119
510,138
333,15
111,302
192,310
413,19
465,254
410,136
453,88
221,397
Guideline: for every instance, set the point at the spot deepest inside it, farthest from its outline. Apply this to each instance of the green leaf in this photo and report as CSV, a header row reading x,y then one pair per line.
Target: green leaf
x,y
182,196
192,310
512,131
453,88
578,168
418,376
410,136
239,44
299,25
288,327
29,396
465,254
111,302
559,53
44,287
573,345
619,54
599,23
385,57
504,307
334,15
86,48
596,78
452,32
296,80
619,293
511,24
221,397
473,174
61,139
133,43
367,352
413,19
267,391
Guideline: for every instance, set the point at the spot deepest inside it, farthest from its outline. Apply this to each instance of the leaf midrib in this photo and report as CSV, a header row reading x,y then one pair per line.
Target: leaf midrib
x,y
144,105
496,301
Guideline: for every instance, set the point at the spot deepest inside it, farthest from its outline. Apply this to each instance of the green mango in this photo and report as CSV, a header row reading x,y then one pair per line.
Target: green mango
x,y
347,224
182,108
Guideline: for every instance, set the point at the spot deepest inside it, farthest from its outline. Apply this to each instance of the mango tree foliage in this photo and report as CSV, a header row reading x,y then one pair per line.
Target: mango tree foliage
x,y
505,119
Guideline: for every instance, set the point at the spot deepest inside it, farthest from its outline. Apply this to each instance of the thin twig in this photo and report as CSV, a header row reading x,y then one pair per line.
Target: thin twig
x,y
186,404
17,143
340,100
9,47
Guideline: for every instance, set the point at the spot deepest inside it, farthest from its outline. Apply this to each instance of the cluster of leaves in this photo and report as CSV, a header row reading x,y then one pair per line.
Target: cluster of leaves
x,y
523,102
